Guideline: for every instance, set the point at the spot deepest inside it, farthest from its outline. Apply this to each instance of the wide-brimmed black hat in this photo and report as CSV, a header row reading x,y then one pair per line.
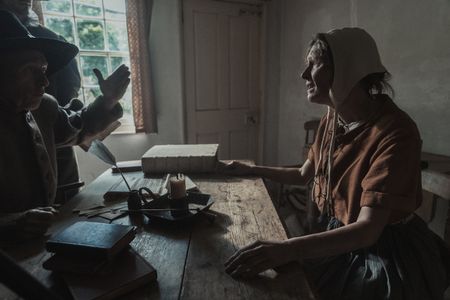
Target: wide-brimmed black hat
x,y
14,35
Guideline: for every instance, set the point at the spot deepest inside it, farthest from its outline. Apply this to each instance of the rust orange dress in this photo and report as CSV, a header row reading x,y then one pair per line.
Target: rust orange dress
x,y
377,164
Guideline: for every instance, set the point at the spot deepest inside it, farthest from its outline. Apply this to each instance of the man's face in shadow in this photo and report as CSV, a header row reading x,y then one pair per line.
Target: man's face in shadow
x,y
23,79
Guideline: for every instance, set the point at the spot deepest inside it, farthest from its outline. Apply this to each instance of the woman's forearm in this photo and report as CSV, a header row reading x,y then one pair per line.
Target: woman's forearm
x,y
299,176
361,234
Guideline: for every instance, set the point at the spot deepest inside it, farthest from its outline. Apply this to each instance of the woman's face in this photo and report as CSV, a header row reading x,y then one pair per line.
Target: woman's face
x,y
319,77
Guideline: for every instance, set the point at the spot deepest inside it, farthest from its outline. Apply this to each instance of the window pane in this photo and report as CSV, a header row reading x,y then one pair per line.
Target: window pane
x,y
117,36
91,8
90,94
60,6
90,62
115,9
118,60
62,26
90,34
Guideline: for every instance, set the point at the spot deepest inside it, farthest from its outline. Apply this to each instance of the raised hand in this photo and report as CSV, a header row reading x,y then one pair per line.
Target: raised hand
x,y
114,87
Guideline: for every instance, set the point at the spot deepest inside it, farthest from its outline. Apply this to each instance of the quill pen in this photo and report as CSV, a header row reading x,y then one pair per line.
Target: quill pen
x,y
101,151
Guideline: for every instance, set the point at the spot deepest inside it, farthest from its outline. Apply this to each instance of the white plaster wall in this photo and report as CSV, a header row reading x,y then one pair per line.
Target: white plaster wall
x,y
166,63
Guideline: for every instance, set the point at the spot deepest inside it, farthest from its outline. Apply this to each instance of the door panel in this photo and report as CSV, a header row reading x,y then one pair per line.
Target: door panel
x,y
239,62
222,76
206,61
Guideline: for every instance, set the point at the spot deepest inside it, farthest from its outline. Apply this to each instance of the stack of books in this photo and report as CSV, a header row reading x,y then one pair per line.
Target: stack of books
x,y
96,260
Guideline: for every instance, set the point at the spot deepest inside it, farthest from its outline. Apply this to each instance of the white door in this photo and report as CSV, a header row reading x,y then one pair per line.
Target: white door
x,y
222,42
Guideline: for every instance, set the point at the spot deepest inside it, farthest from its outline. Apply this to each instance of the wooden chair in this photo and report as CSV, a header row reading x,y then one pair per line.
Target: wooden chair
x,y
438,185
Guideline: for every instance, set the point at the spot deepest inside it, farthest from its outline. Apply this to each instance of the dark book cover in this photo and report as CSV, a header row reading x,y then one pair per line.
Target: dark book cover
x,y
91,240
127,272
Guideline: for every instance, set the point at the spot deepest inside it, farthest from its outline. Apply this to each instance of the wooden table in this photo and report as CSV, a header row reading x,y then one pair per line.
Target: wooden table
x,y
189,259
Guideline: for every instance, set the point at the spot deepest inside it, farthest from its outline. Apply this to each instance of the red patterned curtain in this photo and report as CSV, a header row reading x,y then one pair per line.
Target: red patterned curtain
x,y
138,24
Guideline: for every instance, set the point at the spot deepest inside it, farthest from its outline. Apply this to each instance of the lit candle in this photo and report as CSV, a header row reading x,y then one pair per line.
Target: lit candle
x,y
177,187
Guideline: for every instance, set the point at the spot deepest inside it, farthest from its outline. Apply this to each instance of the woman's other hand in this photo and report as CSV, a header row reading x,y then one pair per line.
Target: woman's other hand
x,y
36,221
258,257
234,168
114,87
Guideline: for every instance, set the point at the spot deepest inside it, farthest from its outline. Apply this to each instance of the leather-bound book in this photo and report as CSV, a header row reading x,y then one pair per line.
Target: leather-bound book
x,y
127,272
91,240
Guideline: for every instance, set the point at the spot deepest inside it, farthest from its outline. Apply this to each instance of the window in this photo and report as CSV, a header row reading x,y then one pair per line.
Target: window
x,y
99,29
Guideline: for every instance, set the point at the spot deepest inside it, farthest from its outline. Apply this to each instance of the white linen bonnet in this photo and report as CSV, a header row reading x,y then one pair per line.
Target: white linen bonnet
x,y
355,55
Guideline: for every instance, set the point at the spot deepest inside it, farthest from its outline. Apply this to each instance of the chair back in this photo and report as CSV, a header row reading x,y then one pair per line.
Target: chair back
x,y
436,185
311,131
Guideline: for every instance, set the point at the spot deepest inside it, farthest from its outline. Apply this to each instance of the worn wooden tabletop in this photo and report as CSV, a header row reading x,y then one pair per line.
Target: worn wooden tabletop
x,y
189,258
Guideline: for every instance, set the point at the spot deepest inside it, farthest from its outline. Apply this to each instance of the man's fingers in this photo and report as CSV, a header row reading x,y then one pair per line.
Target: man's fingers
x,y
39,214
98,74
49,209
121,68
123,86
120,73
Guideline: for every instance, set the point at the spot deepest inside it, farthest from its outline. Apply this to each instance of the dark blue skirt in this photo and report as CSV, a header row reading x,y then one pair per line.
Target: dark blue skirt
x,y
409,261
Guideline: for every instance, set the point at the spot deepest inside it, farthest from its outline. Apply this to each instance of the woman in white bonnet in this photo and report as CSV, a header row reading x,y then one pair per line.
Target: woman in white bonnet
x,y
365,170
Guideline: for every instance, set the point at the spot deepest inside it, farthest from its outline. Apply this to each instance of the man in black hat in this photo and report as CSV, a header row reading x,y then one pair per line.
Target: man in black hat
x,y
27,157
64,86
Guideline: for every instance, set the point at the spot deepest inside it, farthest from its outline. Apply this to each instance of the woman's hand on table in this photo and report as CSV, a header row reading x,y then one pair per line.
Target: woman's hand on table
x,y
35,222
258,257
234,168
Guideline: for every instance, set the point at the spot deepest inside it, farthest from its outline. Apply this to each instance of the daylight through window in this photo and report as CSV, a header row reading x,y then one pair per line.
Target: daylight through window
x,y
99,29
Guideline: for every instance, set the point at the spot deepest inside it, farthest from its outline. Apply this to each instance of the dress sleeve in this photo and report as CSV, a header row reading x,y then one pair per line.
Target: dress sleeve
x,y
394,179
